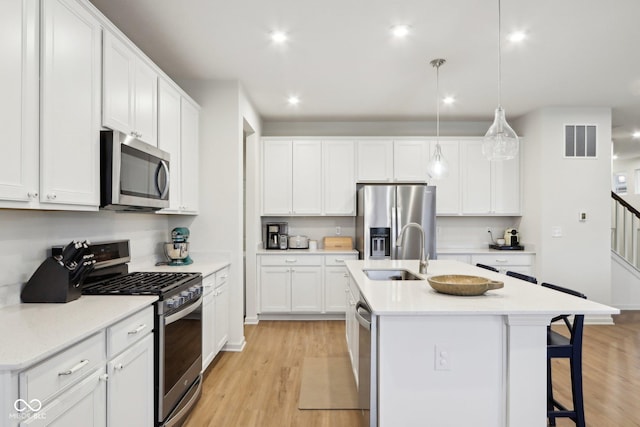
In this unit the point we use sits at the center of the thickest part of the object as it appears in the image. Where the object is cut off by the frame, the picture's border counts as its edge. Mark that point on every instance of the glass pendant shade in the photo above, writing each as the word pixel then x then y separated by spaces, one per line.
pixel 437 168
pixel 500 142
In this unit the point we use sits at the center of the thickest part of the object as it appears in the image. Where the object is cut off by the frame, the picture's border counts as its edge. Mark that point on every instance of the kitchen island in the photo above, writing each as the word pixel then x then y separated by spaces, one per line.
pixel 446 360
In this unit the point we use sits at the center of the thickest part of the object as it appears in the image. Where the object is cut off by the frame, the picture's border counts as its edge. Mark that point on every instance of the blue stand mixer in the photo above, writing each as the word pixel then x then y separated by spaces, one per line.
pixel 178 250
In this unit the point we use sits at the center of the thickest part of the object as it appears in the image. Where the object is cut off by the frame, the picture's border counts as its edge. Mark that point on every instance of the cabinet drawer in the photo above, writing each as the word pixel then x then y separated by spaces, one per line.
pixel 338 259
pixel 62 371
pixel 291 260
pixel 222 276
pixel 208 282
pixel 503 259
pixel 129 331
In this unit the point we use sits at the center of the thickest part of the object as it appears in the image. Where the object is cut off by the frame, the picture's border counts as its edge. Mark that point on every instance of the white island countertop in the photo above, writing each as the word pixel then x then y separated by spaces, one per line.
pixel 411 297
pixel 33 332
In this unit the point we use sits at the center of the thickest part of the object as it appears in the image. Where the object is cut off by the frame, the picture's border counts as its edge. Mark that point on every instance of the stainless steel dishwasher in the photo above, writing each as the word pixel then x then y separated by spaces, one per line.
pixel 367 365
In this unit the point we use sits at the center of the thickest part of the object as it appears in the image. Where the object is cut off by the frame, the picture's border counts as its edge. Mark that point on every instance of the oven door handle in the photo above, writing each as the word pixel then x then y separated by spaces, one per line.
pixel 184 312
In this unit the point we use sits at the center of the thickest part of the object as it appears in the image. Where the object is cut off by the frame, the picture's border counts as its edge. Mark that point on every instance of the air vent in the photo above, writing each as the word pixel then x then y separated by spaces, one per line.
pixel 580 141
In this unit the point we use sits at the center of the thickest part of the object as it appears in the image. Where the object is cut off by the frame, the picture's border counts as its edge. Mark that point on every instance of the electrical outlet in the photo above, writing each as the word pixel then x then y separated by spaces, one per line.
pixel 338 230
pixel 488 229
pixel 442 358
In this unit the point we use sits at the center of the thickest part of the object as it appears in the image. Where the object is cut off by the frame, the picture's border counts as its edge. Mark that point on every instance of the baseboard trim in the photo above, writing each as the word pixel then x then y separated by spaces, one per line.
pixel 251 320
pixel 317 316
pixel 236 347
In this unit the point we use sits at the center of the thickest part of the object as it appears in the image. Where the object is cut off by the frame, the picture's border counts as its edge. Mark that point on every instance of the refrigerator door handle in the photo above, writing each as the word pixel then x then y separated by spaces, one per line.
pixel 393 251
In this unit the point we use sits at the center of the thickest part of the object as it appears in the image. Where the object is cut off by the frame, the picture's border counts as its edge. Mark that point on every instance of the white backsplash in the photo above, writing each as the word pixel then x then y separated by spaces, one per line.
pixel 27 236
pixel 316 227
pixel 451 232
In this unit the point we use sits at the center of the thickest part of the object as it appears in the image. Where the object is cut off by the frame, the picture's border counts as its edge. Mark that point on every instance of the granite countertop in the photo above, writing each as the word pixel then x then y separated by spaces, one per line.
pixel 411 297
pixel 33 332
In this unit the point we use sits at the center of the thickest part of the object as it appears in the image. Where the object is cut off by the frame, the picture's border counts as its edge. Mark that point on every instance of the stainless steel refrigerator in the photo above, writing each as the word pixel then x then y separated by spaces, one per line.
pixel 382 211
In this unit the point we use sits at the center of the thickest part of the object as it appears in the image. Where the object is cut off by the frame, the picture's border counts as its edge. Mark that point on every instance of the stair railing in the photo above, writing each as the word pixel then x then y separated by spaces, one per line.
pixel 625 226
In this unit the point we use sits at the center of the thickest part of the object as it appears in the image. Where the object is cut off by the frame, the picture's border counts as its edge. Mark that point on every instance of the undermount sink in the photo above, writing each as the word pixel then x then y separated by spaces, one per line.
pixel 375 274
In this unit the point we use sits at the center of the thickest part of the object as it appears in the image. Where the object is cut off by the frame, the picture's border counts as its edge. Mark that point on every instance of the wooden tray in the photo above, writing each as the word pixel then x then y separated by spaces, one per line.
pixel 338 243
pixel 462 285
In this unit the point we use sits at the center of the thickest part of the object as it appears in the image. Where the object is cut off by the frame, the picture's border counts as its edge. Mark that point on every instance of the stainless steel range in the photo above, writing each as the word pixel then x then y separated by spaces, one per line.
pixel 177 329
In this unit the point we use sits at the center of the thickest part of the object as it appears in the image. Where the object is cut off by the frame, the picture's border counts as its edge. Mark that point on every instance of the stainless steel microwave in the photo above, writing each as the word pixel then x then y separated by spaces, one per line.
pixel 134 176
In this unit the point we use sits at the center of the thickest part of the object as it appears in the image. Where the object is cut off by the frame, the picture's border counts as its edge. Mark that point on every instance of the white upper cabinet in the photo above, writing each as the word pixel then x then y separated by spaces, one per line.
pixel 308 177
pixel 130 91
pixel 69 104
pixel 19 49
pixel 276 177
pixel 448 188
pixel 169 137
pixel 338 177
pixel 189 143
pixel 375 161
pixel 488 188
pixel 306 184
pixel 410 159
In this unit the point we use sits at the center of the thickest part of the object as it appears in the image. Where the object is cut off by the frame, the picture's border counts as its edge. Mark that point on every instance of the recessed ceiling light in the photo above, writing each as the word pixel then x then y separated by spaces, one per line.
pixel 400 31
pixel 293 100
pixel 517 36
pixel 279 37
pixel 448 100
pixel 635 134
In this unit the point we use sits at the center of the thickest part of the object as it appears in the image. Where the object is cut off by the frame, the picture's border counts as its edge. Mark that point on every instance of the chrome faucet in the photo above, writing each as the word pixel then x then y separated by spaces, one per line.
pixel 423 260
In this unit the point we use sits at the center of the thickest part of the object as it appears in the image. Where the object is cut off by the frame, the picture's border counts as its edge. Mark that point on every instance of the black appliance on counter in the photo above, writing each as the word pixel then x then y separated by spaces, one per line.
pixel 177 325
pixel 276 235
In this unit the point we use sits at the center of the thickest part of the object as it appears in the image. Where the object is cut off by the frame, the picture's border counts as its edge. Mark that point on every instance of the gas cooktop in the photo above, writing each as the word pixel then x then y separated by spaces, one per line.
pixel 140 283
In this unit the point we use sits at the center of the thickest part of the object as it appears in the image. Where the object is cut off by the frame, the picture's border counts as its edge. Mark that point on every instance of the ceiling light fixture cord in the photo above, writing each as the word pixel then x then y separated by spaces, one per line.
pixel 499 55
pixel 437 167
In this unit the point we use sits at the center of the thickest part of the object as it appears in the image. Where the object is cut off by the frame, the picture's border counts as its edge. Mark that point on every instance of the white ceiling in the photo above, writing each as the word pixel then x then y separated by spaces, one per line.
pixel 344 65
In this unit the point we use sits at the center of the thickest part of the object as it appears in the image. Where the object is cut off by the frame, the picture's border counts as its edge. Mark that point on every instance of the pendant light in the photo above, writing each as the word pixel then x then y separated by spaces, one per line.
pixel 437 168
pixel 500 142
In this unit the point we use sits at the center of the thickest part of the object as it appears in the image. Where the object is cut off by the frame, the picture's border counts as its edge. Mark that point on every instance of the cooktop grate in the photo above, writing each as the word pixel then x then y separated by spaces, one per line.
pixel 140 283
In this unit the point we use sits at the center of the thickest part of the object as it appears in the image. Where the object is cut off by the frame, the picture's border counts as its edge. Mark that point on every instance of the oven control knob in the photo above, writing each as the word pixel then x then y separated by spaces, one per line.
pixel 171 303
pixel 195 291
pixel 186 295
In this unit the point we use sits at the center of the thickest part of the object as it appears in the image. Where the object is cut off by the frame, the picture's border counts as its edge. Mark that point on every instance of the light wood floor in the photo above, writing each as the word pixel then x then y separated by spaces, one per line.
pixel 259 387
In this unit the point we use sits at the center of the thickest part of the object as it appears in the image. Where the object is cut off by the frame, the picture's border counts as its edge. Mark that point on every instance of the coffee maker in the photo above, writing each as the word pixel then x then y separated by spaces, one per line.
pixel 276 235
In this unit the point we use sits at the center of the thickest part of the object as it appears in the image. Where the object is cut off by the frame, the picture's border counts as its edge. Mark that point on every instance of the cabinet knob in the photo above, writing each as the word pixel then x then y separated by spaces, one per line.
pixel 104 377
pixel 119 367
pixel 51 196
pixel 32 194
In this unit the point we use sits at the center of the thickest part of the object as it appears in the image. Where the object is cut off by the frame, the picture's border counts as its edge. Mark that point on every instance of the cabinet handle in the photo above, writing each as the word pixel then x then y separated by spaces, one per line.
pixel 290 260
pixel 76 368
pixel 345 275
pixel 136 330
pixel 501 260
pixel 339 260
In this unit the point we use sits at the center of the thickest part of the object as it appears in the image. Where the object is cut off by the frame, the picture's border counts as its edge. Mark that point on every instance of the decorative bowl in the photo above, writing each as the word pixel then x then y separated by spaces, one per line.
pixel 459 284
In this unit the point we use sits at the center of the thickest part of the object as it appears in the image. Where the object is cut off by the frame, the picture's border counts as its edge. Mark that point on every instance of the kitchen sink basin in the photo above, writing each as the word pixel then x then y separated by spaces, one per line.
pixel 396 274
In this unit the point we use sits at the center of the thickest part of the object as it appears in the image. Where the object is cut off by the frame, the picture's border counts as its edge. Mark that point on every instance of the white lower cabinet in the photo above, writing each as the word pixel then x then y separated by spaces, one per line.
pixel 351 326
pixel 129 401
pixel 519 263
pixel 336 278
pixel 291 283
pixel 215 315
pixel 83 405
pixel 104 380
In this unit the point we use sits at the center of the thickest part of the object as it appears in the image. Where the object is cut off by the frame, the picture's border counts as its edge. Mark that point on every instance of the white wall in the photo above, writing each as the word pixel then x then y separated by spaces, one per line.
pixel 556 189
pixel 225 113
pixel 377 128
pixel 27 237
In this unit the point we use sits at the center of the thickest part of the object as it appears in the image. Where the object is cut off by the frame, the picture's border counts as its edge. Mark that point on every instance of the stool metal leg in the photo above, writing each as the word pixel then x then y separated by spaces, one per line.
pixel 550 407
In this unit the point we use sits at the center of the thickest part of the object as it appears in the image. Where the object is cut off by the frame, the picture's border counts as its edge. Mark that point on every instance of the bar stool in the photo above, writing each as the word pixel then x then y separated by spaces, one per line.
pixel 487 267
pixel 560 346
pixel 522 277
